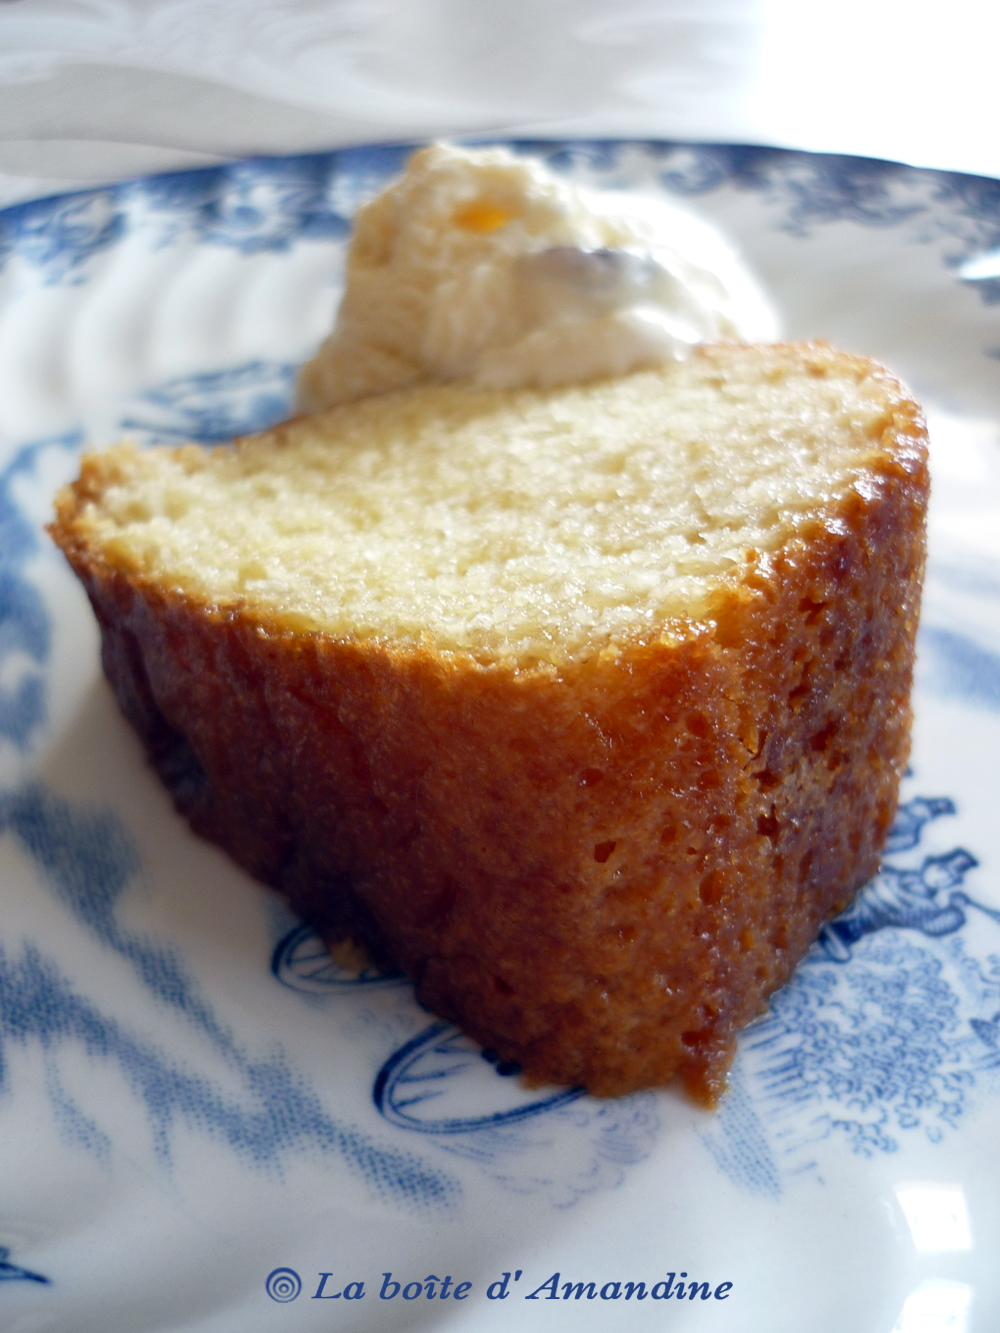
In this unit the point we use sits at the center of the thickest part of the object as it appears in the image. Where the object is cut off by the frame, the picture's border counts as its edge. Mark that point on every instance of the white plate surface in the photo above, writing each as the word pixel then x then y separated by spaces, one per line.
pixel 192 1098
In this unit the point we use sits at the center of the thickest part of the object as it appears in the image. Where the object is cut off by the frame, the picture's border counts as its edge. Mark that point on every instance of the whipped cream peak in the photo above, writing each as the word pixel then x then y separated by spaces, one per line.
pixel 486 267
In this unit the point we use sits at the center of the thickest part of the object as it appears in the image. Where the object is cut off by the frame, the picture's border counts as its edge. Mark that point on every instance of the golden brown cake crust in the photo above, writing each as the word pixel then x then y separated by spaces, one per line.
pixel 601 871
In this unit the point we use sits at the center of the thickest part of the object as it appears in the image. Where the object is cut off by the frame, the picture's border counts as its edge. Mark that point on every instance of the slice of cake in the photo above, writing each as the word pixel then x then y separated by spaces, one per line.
pixel 584 707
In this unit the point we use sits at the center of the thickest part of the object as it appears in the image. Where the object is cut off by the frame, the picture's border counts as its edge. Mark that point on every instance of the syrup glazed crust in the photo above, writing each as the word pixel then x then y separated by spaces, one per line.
pixel 602 870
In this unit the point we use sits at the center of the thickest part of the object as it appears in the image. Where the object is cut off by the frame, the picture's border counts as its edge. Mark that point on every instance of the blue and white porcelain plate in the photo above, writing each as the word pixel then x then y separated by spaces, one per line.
pixel 207 1124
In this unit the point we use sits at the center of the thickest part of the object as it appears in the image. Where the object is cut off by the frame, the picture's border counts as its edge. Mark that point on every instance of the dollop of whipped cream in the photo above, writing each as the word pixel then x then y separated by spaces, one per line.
pixel 486 267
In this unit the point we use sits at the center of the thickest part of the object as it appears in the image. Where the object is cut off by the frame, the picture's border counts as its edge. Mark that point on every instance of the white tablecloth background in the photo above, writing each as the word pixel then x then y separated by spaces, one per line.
pixel 97 90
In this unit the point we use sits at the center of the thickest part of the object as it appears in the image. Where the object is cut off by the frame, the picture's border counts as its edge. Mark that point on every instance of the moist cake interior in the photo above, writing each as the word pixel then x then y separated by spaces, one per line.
pixel 538 526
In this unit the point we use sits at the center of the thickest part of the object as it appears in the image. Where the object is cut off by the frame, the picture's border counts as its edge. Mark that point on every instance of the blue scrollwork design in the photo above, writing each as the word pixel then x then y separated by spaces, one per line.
pixel 216 405
pixel 927 898
pixel 14 1273
pixel 88 859
pixel 988 1032
pixel 58 235
pixel 252 206
pixel 912 899
pixel 25 622
pixel 911 817
pixel 954 666
pixel 302 962
pixel 272 203
pixel 425 1086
